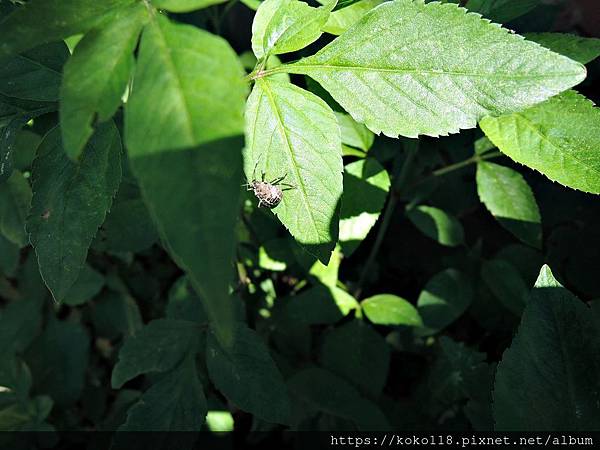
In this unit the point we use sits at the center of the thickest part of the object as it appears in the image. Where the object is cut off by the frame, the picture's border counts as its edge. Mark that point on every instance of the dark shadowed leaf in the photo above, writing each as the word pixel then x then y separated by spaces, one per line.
pixel 581 49
pixel 437 224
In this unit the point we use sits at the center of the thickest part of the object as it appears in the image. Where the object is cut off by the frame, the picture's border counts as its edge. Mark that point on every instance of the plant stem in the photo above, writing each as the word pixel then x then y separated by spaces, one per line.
pixel 466 162
pixel 398 184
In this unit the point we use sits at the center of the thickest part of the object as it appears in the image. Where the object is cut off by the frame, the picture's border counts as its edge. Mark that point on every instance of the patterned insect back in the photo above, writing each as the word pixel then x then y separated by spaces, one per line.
pixel 268 195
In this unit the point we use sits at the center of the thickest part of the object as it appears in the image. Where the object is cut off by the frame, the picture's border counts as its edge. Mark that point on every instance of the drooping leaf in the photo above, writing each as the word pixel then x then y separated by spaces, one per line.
pixel 198 80
pixel 581 49
pixel 557 138
pixel 22 29
pixel 15 198
pixel 247 376
pixel 506 283
pixel 388 309
pixel 354 134
pixel 366 185
pixel 185 5
pixel 188 89
pixel 88 284
pixel 549 378
pixel 437 224
pixel 96 76
pixel 357 353
pixel 36 74
pixel 70 201
pixel 157 347
pixel 502 11
pixel 506 195
pixel 412 77
pixel 291 132
pixel 443 300
pixel 283 26
pixel 331 394
pixel 342 19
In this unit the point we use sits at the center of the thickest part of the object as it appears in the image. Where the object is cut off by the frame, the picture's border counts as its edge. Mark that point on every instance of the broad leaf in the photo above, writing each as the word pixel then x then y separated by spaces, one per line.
pixel 70 201
pixel 23 29
pixel 506 283
pixel 157 347
pixel 437 224
pixel 575 47
pixel 174 403
pixel 283 26
pixel 247 376
pixel 366 185
pixel 549 378
pixel 359 354
pixel 293 133
pixel 388 309
pixel 558 138
pixel 506 195
pixel 185 5
pixel 502 10
pixel 36 74
pixel 96 76
pixel 443 300
pixel 188 89
pixel 15 197
pixel 401 69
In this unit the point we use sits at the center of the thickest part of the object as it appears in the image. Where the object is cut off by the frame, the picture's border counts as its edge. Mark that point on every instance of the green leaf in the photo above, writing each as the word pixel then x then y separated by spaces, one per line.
pixel 175 403
pixel 15 198
pixel 557 138
pixel 247 376
pixel 366 185
pixel 188 90
pixel 9 256
pixel 43 21
pixel 283 26
pixel 157 347
pixel 88 284
pixel 549 378
pixel 59 359
pixel 184 303
pixel 506 195
pixel 116 314
pixel 340 20
pixel 445 298
pixel 357 353
pixel 502 10
pixel 581 49
pixel 329 393
pixel 185 5
pixel 292 132
pixel 318 305
pixel 413 78
pixel 96 76
pixel 387 309
pixel 36 74
pixel 20 324
pixel 354 133
pixel 506 283
pixel 70 201
pixel 437 224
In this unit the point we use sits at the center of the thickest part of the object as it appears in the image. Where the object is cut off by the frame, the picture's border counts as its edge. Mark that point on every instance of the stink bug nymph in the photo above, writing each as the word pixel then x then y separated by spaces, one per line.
pixel 268 193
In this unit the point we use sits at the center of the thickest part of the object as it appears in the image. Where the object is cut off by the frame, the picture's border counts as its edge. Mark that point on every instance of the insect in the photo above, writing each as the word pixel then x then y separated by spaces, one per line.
pixel 268 193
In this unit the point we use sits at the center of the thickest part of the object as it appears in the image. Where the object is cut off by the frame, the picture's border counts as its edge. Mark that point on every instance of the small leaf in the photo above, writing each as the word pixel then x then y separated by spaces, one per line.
pixel 412 78
pixel 174 403
pixel 88 284
pixel 366 186
pixel 96 76
pixel 502 10
pixel 357 353
pixel 185 5
pixel 157 347
pixel 557 138
pixel 15 198
pixel 549 378
pixel 9 257
pixel 70 201
pixel 293 133
pixel 506 283
pixel 36 74
pixel 581 49
pixel 387 309
pixel 248 377
pixel 354 133
pixel 43 21
pixel 283 26
pixel 445 298
pixel 437 224
pixel 506 195
pixel 318 305
pixel 342 19
pixel 115 315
